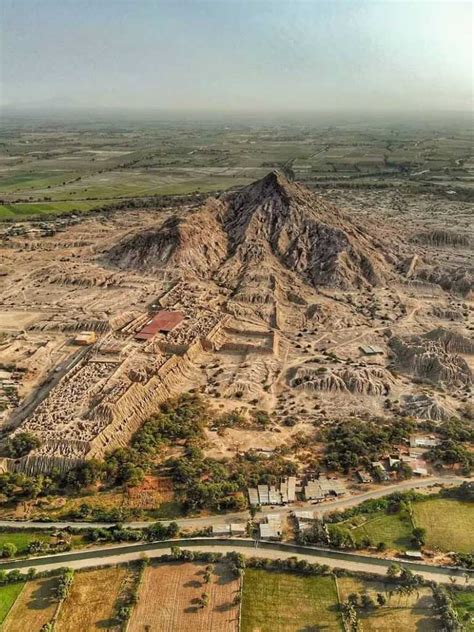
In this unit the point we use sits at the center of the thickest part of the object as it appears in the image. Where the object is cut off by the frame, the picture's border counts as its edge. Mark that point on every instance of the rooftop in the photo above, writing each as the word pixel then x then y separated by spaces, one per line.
pixel 164 321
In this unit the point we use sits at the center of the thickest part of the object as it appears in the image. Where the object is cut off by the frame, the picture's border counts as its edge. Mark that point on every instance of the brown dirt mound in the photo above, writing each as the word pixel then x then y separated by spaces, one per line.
pixel 272 225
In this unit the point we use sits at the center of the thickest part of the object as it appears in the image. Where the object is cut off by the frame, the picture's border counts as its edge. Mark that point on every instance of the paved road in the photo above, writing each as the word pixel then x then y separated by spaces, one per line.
pixel 335 559
pixel 202 521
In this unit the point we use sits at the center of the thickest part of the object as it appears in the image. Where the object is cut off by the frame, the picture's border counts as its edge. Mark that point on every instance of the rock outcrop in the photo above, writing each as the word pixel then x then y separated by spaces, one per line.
pixel 272 226
pixel 451 341
pixel 195 243
pixel 425 407
pixel 358 381
pixel 429 360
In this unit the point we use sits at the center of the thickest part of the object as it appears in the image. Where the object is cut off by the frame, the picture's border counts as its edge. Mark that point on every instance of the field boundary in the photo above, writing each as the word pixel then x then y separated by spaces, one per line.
pixel 136 592
pixel 241 593
pixel 11 606
pixel 339 601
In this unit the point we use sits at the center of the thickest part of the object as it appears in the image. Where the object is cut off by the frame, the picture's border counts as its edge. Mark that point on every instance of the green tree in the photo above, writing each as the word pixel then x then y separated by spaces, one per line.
pixel 419 536
pixel 204 600
pixel 404 471
pixel 9 550
pixel 21 444
pixel 353 599
pixel 381 599
pixel 393 570
pixel 366 601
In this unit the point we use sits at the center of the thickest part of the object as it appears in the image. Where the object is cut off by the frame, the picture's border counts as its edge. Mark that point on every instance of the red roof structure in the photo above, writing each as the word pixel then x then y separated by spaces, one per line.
pixel 162 322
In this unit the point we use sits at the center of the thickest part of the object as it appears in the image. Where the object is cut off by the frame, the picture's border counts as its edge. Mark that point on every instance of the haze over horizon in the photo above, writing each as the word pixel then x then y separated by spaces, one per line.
pixel 237 55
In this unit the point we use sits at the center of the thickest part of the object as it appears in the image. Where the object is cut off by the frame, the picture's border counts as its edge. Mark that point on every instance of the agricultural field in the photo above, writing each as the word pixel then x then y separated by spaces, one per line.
pixel 168 600
pixel 20 209
pixel 34 606
pixel 22 538
pixel 464 604
pixel 91 604
pixel 269 602
pixel 8 596
pixel 448 524
pixel 394 530
pixel 47 170
pixel 399 613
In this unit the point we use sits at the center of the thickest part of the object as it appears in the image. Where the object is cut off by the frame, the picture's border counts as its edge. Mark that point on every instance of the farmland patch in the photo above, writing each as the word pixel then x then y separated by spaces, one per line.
pixel 169 599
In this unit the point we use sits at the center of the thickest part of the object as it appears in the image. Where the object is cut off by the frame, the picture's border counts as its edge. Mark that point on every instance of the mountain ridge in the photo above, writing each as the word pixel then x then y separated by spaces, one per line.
pixel 270 225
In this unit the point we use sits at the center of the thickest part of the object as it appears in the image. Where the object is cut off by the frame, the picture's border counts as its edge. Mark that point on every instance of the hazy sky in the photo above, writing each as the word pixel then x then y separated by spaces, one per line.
pixel 238 54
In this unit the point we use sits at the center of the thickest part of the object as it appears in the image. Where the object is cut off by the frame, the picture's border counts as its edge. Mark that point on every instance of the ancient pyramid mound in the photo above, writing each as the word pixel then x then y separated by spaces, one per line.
pixel 269 227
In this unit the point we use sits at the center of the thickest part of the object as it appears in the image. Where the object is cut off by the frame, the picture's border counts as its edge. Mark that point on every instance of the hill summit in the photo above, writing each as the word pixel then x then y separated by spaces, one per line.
pixel 270 227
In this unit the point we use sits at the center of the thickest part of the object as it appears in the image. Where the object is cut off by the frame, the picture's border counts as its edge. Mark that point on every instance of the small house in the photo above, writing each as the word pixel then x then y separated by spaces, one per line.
pixel 238 528
pixel 364 477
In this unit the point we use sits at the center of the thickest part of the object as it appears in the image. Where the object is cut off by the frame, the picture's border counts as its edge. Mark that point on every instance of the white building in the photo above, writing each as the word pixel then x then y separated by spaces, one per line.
pixel 238 528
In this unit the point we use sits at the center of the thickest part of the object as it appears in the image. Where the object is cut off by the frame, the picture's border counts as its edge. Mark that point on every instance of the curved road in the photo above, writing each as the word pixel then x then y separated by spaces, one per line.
pixel 203 521
pixel 121 553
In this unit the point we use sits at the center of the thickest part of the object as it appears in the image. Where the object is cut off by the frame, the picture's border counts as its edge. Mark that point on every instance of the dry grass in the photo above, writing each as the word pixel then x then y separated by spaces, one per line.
pixel 91 602
pixel 150 494
pixel 34 607
pixel 169 594
pixel 412 613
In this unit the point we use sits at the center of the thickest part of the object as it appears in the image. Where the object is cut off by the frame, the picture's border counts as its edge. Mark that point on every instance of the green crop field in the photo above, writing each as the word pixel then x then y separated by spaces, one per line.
pixel 393 529
pixel 25 209
pixel 8 596
pixel 448 524
pixel 49 171
pixel 274 601
pixel 21 539
pixel 464 604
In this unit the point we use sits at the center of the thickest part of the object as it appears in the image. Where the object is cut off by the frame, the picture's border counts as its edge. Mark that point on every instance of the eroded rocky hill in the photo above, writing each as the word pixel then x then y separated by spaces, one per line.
pixel 271 227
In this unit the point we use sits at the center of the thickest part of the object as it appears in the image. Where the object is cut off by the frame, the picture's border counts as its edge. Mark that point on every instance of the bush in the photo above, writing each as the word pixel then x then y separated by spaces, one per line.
pixel 419 536
pixel 21 444
pixel 9 550
pixel 64 584
pixel 262 418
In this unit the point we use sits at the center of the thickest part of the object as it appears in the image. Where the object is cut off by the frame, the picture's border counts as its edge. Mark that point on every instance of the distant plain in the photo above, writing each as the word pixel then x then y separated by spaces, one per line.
pixel 55 168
